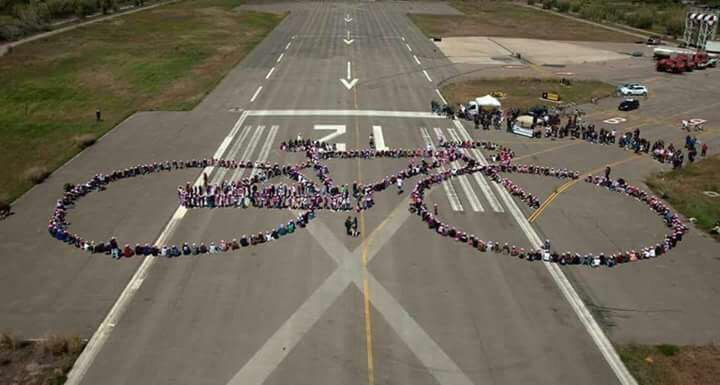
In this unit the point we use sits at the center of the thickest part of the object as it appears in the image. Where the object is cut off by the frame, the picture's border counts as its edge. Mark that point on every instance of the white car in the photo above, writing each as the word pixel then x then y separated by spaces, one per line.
pixel 633 90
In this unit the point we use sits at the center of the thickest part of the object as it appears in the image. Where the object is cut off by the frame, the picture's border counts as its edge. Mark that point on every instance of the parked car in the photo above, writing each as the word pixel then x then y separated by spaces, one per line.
pixel 654 40
pixel 629 104
pixel 633 89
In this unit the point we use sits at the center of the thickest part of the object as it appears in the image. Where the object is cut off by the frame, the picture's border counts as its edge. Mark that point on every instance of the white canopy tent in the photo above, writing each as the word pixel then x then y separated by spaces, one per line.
pixel 488 101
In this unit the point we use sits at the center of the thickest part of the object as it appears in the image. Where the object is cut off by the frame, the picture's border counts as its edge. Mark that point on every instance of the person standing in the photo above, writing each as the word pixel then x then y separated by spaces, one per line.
pixel 607 172
pixel 399 183
pixel 355 231
pixel 703 149
pixel 348 226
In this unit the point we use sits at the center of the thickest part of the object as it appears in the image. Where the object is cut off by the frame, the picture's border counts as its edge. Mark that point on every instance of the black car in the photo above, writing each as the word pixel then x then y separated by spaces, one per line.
pixel 629 105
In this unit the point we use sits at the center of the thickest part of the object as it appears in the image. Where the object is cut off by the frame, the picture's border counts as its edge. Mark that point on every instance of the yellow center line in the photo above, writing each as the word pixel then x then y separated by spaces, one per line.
pixel 551 198
pixel 366 288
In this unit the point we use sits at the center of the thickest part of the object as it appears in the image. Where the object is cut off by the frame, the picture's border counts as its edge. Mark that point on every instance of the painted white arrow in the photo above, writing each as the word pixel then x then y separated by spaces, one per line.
pixel 348 18
pixel 348 40
pixel 349 83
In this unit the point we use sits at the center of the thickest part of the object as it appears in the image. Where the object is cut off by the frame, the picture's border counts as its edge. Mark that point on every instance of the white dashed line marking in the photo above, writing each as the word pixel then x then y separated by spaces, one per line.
pixel 427 76
pixel 416 59
pixel 441 97
pixel 256 94
pixel 408 47
pixel 280 57
pixel 270 73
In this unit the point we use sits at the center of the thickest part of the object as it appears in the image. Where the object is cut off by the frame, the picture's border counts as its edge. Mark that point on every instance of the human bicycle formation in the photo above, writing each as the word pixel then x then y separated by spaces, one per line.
pixel 307 197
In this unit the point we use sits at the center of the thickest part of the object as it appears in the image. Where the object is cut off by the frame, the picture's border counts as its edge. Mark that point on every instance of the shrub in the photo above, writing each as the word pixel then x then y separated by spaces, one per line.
pixel 54 345
pixel 643 19
pixel 10 28
pixel 575 6
pixel 37 174
pixel 563 6
pixel 4 208
pixel 531 2
pixel 85 7
pixel 84 141
pixel 595 12
pixel 549 4
pixel 75 345
pixel 7 342
pixel 673 20
pixel 668 350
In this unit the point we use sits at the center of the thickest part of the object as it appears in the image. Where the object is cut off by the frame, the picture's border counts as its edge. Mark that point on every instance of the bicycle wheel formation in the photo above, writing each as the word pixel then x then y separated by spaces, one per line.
pixel 310 196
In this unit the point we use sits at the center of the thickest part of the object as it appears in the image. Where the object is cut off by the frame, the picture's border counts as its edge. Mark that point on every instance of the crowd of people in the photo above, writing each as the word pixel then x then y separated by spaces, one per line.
pixel 311 195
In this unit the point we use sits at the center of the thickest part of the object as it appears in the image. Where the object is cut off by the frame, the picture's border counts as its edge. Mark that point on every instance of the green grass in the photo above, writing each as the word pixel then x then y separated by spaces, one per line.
pixel 672 365
pixel 683 189
pixel 506 19
pixel 167 58
pixel 526 92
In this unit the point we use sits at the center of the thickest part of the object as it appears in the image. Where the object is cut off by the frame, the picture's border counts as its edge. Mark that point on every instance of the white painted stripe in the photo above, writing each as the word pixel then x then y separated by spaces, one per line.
pixel 349 71
pixel 379 139
pixel 596 333
pixel 479 179
pixel 440 95
pixel 417 60
pixel 427 76
pixel 102 334
pixel 408 47
pixel 269 73
pixel 247 154
pixel 464 182
pixel 402 37
pixel 376 113
pixel 288 45
pixel 455 204
pixel 233 152
pixel 255 95
pixel 265 150
pixel 280 57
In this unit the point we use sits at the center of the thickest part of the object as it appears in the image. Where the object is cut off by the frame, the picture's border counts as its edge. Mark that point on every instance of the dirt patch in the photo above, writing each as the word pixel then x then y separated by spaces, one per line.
pixel 504 19
pixel 672 365
pixel 526 92
pixel 37 362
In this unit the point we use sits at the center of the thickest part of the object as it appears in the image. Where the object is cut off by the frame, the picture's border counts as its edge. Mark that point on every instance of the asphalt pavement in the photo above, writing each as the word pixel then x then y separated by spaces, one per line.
pixel 398 304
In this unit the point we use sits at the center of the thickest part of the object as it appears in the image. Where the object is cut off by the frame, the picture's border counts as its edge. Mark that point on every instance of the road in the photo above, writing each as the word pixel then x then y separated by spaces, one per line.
pixel 395 305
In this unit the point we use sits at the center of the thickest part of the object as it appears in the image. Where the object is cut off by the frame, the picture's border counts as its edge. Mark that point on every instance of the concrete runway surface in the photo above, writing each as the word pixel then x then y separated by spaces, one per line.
pixel 396 305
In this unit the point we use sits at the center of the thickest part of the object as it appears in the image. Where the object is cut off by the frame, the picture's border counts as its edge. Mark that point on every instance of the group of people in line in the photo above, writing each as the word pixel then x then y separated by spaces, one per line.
pixel 309 196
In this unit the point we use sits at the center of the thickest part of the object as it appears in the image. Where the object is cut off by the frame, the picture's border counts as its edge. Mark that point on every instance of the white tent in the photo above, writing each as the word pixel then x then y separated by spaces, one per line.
pixel 487 101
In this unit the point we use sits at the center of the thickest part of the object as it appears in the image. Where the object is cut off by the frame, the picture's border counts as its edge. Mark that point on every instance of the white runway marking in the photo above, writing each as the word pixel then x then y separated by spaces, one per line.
pixel 452 196
pixel 375 113
pixel 408 47
pixel 440 95
pixel 255 95
pixel 247 154
pixel 265 150
pixel 480 179
pixel 586 318
pixel 288 45
pixel 379 139
pixel 402 37
pixel 101 335
pixel 280 57
pixel 350 271
pixel 417 60
pixel 269 73
pixel 339 129
pixel 464 182
pixel 427 76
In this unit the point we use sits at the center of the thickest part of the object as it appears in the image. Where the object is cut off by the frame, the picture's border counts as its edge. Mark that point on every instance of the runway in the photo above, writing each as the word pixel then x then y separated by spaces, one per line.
pixel 398 304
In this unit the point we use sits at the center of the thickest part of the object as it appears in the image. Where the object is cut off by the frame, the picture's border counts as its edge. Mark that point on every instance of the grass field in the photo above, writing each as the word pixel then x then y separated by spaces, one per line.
pixel 526 92
pixel 505 19
pixel 684 188
pixel 672 365
pixel 167 58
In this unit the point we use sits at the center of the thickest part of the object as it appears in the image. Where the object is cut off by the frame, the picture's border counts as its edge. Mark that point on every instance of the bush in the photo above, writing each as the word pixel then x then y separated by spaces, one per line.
pixel 8 343
pixel 643 19
pixel 549 4
pixel 563 6
pixel 85 7
pixel 595 12
pixel 673 20
pixel 54 345
pixel 668 350
pixel 37 174
pixel 531 2
pixel 10 28
pixel 4 209
pixel 575 6
pixel 85 140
